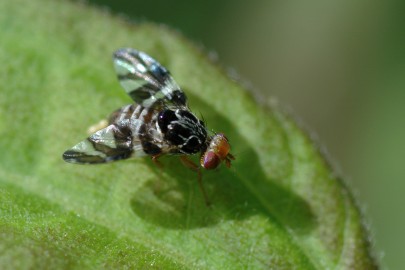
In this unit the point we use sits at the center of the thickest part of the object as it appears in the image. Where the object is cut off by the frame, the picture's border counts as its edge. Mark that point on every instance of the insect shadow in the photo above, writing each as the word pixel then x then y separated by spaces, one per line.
pixel 173 198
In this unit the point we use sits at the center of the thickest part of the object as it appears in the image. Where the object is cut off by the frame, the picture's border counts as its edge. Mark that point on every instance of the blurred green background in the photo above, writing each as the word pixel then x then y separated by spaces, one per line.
pixel 337 66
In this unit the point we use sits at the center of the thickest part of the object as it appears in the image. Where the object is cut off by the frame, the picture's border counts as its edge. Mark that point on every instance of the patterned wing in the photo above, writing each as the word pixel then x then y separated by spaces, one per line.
pixel 108 144
pixel 147 82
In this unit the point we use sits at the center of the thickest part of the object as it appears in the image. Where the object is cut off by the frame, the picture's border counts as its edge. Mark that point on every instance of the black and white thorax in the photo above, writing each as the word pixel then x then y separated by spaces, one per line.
pixel 161 131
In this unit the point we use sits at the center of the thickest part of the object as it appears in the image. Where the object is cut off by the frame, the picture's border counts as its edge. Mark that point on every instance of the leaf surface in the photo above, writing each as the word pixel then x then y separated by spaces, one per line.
pixel 279 207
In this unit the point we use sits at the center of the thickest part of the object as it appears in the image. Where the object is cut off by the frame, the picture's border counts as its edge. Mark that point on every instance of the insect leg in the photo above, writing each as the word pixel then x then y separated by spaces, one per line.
pixel 156 161
pixel 191 165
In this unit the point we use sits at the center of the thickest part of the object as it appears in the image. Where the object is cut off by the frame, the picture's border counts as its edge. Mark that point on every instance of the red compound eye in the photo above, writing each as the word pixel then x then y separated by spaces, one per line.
pixel 210 160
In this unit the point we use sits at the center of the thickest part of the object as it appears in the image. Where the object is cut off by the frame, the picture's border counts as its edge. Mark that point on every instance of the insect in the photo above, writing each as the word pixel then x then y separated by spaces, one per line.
pixel 160 122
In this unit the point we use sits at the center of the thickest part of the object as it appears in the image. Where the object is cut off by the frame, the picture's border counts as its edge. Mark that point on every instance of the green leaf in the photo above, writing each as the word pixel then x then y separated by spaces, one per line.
pixel 279 207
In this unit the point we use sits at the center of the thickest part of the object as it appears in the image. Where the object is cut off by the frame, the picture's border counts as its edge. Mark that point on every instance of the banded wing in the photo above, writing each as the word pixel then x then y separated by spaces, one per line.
pixel 108 144
pixel 146 81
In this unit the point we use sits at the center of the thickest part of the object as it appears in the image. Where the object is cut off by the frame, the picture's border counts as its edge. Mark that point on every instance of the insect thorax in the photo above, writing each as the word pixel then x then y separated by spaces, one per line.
pixel 183 129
